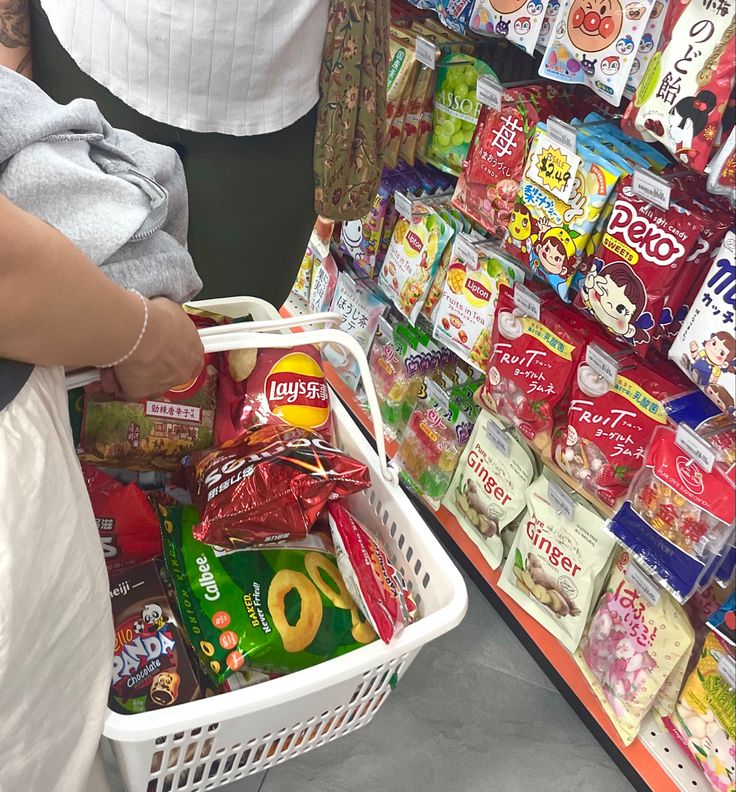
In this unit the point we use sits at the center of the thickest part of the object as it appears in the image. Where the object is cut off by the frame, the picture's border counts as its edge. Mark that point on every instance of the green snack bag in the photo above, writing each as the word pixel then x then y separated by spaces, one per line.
pixel 278 610
pixel 456 110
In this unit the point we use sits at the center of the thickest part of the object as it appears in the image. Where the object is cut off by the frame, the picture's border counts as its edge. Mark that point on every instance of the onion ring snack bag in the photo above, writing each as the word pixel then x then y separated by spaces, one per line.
pixel 276 610
pixel 372 580
pixel 684 92
pixel 635 265
pixel 531 365
pixel 519 22
pixel 559 555
pixel 268 485
pixel 705 346
pixel 486 493
pixel 594 43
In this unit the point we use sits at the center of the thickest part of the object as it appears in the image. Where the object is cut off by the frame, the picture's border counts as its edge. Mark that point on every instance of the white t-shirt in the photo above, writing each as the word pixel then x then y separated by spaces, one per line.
pixel 242 67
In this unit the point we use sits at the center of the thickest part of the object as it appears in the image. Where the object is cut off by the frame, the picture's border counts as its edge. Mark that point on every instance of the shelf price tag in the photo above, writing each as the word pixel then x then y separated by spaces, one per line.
pixel 425 52
pixel 700 450
pixel 648 590
pixel 562 133
pixel 403 204
pixel 605 366
pixel 527 301
pixel 727 669
pixel 498 438
pixel 467 251
pixel 489 92
pixel 562 502
pixel 652 188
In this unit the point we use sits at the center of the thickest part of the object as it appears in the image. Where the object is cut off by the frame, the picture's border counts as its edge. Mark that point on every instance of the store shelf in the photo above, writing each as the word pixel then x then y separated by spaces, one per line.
pixel 654 761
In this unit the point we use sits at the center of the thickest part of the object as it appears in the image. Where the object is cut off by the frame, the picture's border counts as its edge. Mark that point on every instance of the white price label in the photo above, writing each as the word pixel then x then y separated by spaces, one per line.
pixel 602 363
pixel 425 52
pixel 562 133
pixel 562 502
pixel 700 450
pixel 489 92
pixel 648 590
pixel 403 204
pixel 465 249
pixel 652 188
pixel 727 669
pixel 498 438
pixel 527 301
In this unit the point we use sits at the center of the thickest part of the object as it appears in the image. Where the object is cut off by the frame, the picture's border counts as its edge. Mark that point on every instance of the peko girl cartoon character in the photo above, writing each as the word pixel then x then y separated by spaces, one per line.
pixel 553 257
pixel 717 356
pixel 615 295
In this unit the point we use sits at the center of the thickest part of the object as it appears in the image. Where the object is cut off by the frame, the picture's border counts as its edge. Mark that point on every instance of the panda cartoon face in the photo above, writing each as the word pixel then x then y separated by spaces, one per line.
pixel 522 25
pixel 625 45
pixel 152 614
pixel 610 65
pixel 647 43
pixel 588 66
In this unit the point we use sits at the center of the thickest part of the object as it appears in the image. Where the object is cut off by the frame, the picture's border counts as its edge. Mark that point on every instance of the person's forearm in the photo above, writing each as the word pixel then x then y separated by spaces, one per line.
pixel 56 307
pixel 15 35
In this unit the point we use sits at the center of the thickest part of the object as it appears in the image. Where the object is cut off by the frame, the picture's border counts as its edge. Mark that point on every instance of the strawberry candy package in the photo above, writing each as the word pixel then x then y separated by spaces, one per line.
pixel 705 346
pixel 324 281
pixel 635 640
pixel 594 43
pixel 558 560
pixel 639 258
pixel 683 94
pixel 531 365
pixel 373 582
pixel 517 20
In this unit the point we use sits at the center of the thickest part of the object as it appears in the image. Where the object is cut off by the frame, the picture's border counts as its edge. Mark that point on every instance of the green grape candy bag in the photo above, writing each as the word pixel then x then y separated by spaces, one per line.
pixel 456 110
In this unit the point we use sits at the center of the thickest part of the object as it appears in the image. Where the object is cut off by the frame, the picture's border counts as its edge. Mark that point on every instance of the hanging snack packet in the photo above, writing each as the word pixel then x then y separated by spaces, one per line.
pixel 400 69
pixel 487 491
pixel 276 610
pixel 412 258
pixel 636 264
pixel 705 347
pixel 548 23
pixel 372 580
pixel 410 133
pixel 324 281
pixel 633 643
pixel 518 21
pixel 531 365
pixel 558 560
pixel 303 283
pixel 454 14
pixel 269 485
pixel 648 46
pixel 456 110
pixel 595 46
pixel 722 175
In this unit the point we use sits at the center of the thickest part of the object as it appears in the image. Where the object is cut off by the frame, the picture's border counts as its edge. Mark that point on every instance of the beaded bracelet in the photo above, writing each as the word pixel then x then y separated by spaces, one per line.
pixel 138 340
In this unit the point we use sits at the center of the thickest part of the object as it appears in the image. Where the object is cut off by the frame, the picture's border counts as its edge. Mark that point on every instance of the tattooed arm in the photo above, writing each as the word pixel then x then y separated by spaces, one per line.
pixel 15 35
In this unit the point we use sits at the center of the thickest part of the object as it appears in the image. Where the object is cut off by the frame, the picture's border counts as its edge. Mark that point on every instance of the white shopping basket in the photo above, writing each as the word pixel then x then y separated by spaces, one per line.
pixel 205 744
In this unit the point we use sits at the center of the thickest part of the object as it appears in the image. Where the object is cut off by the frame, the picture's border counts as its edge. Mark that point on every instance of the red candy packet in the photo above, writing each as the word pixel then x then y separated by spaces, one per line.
pixel 372 580
pixel 268 486
pixel 128 526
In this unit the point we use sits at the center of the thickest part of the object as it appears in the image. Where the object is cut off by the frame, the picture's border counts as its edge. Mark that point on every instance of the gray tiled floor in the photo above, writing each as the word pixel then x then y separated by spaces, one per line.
pixel 473 714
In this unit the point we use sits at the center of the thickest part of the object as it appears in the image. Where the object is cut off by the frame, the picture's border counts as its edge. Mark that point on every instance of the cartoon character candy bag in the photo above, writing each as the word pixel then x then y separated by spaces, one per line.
pixel 594 42
pixel 517 20
pixel 548 22
pixel 648 45
pixel 634 642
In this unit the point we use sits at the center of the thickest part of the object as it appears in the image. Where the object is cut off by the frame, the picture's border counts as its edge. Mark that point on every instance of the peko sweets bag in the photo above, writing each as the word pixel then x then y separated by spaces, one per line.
pixel 487 491
pixel 519 21
pixel 556 564
pixel 633 643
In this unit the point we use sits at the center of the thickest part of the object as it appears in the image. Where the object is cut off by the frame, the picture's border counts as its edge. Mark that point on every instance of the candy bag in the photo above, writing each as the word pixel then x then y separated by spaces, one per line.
pixel 722 176
pixel 126 521
pixel 324 281
pixel 682 96
pixel 548 23
pixel 648 46
pixel 710 325
pixel 487 491
pixel 556 565
pixel 269 485
pixel 454 14
pixel 410 133
pixel 633 643
pixel 372 580
pixel 303 283
pixel 277 610
pixel 519 22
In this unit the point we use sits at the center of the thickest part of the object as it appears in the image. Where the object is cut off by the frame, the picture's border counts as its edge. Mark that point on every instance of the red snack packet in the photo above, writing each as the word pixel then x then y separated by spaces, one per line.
pixel 531 364
pixel 609 427
pixel 128 526
pixel 286 387
pixel 372 580
pixel 639 258
pixel 269 485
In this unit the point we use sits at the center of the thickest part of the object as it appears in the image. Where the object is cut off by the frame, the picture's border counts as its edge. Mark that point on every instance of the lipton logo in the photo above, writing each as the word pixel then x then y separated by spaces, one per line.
pixel 296 391
pixel 690 474
pixel 477 289
pixel 413 240
pixel 647 238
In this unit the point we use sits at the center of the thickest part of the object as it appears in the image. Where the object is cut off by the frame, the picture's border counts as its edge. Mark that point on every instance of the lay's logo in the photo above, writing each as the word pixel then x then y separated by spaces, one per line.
pixel 414 241
pixel 477 289
pixel 296 391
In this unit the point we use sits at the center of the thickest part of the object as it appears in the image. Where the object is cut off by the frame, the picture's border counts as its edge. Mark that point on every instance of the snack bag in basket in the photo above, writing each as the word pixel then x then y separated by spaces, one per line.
pixel 374 583
pixel 275 610
pixel 558 560
pixel 268 485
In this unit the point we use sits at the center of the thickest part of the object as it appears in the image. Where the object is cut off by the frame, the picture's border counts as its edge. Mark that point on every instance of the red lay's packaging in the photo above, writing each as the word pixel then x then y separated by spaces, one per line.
pixel 285 387
pixel 372 580
pixel 531 364
pixel 128 526
pixel 641 255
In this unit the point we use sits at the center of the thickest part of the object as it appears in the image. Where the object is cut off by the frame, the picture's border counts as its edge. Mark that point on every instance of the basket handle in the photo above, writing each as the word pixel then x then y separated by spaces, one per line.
pixel 274 325
pixel 235 336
